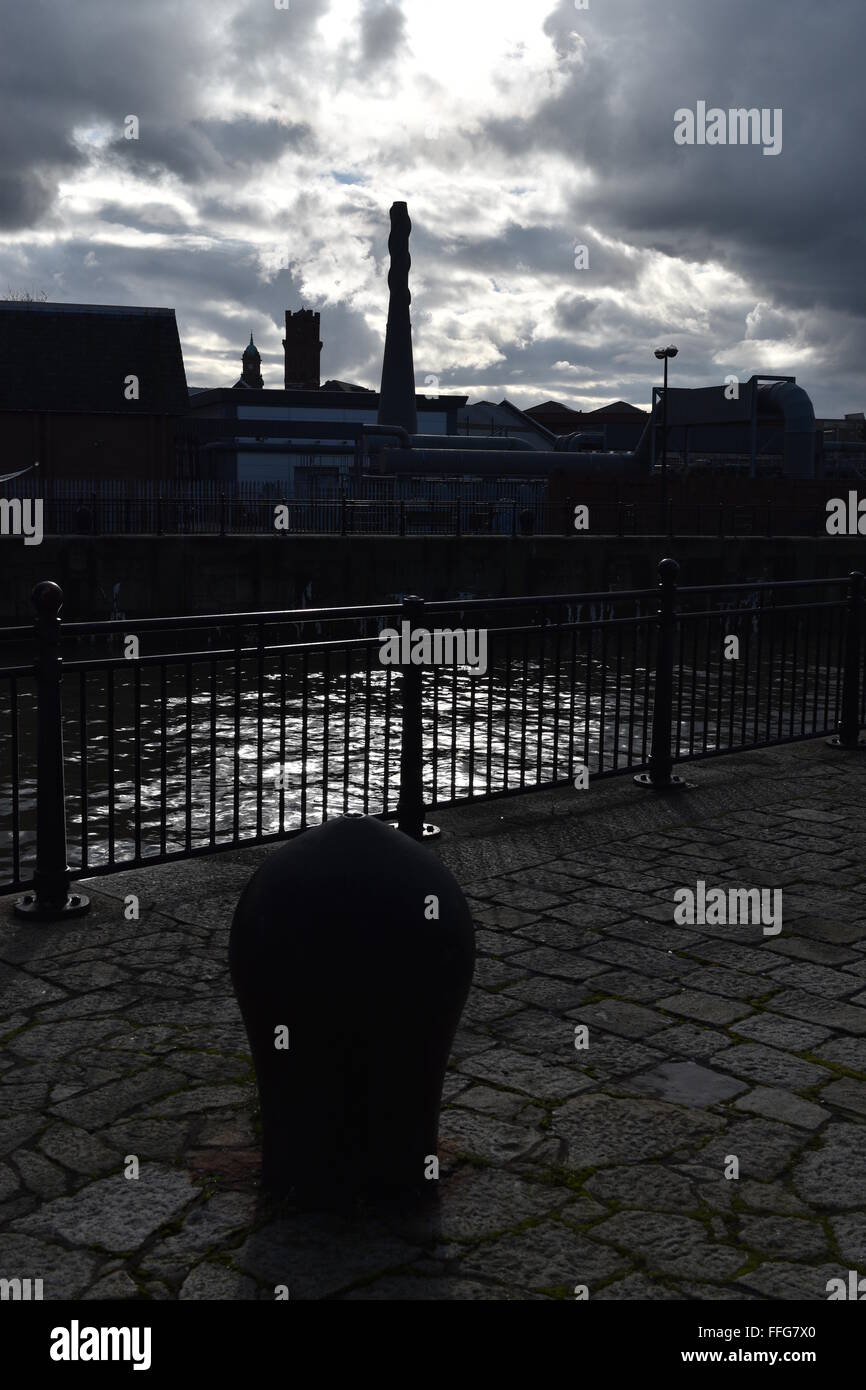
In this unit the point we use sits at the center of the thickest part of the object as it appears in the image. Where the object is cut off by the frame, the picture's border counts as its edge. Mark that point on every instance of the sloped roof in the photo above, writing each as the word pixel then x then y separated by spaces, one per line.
pixel 616 408
pixel 343 386
pixel 508 417
pixel 75 357
pixel 547 405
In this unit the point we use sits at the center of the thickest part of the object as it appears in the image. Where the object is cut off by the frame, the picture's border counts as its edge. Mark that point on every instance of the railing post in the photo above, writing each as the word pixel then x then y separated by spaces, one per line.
pixel 661 760
pixel 513 520
pixel 721 520
pixel 770 519
pixel 159 513
pixel 342 513
pixel 51 899
pixel 848 728
pixel 670 518
pixel 93 504
pixel 410 803
pixel 402 517
pixel 222 514
pixel 457 520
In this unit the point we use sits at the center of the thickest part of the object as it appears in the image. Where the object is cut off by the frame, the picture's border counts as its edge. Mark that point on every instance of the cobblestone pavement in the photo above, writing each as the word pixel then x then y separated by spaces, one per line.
pixel 608 1167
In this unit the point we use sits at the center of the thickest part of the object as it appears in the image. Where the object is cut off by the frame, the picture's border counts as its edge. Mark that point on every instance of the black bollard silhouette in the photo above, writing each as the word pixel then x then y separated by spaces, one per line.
pixel 353 945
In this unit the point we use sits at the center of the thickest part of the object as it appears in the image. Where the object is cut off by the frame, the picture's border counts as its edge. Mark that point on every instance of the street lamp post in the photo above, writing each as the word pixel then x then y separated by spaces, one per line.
pixel 663 354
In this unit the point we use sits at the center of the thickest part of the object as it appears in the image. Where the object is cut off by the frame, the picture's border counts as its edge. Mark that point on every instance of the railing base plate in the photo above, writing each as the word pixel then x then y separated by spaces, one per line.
pixel 428 832
pixel 676 784
pixel 858 747
pixel 76 905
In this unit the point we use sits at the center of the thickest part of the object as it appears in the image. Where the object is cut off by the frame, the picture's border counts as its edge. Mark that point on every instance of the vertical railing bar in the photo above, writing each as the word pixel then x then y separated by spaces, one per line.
pixel 453 678
pixel 539 723
pixel 489 722
pixel 762 611
pixel 82 735
pixel 795 619
pixel 14 768
pixel 386 791
pixel 326 730
pixel 236 800
pixel 557 658
pixel 507 741
pixel 616 701
pixel 768 713
pixel 368 696
pixel 347 738
pixel 187 748
pixel 719 648
pixel 680 665
pixel 523 699
pixel 572 682
pixel 587 708
pixel 260 725
pixel 136 734
pixel 782 663
pixel 472 684
pixel 111 750
pixel 602 699
pixel 305 682
pixel 635 638
pixel 212 757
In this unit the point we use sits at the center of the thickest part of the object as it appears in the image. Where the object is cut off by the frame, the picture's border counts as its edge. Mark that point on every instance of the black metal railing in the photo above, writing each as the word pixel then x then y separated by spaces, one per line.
pixel 167 738
pixel 343 514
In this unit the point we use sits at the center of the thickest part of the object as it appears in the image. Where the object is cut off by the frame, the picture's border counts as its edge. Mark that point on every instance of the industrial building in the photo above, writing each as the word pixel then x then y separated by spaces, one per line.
pixel 98 394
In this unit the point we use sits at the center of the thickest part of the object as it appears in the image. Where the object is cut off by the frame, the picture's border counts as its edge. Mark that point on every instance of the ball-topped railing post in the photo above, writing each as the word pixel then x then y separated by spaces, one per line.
pixel 50 899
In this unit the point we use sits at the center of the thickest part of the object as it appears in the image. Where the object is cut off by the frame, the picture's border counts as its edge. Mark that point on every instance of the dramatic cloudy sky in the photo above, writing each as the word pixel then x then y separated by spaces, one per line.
pixel 273 141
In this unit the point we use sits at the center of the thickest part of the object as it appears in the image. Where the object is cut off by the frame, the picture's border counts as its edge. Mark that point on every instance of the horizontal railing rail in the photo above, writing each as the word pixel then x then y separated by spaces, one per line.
pixel 129 743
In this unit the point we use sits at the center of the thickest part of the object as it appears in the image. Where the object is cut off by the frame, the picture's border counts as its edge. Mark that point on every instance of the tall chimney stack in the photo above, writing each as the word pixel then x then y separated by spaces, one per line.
pixel 397 396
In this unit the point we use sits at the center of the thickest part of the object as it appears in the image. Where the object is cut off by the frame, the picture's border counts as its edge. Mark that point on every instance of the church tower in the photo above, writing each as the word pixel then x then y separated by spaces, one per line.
pixel 303 349
pixel 251 372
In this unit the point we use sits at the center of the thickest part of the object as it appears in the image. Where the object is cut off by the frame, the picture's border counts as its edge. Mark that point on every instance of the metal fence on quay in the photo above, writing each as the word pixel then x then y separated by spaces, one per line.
pixel 166 738
pixel 343 514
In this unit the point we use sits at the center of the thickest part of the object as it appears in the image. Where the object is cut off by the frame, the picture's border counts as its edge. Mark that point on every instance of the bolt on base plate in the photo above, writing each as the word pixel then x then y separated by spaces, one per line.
pixel 675 784
pixel 76 905
pixel 857 747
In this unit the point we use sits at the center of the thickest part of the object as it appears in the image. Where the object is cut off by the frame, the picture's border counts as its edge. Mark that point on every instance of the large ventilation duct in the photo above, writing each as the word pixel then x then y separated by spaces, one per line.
pixel 495 463
pixel 792 404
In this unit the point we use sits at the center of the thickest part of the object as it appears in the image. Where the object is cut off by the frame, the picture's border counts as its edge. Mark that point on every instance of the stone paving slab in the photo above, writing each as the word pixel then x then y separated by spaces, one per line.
pixel 636 1107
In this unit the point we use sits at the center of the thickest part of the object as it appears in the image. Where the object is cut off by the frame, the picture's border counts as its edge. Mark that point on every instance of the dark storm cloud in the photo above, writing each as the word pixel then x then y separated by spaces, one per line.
pixel 791 222
pixel 383 31
pixel 88 65
pixel 205 150
pixel 64 67
pixel 534 249
pixel 24 199
pixel 151 217
pixel 258 27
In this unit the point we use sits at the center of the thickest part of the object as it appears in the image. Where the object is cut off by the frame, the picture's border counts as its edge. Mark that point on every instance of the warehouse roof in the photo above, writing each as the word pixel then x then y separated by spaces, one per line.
pixel 77 357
